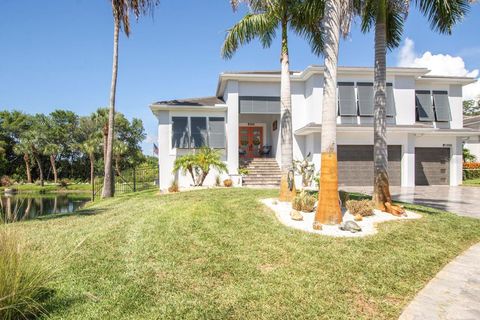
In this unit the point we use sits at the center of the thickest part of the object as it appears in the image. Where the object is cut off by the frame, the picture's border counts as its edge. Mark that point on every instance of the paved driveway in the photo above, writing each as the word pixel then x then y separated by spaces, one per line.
pixel 464 201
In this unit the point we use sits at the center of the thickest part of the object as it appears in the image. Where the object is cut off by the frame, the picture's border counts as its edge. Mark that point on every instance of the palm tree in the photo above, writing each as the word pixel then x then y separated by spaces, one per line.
pixel 265 17
pixel 52 150
pixel 121 10
pixel 336 22
pixel 22 148
pixel 119 150
pixel 387 16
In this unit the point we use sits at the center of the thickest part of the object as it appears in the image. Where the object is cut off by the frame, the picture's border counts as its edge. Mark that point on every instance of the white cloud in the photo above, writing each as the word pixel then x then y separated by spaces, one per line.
pixel 440 65
pixel 151 139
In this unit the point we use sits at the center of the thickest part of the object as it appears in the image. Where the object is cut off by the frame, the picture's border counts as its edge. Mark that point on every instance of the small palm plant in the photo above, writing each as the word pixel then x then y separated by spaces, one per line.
pixel 198 165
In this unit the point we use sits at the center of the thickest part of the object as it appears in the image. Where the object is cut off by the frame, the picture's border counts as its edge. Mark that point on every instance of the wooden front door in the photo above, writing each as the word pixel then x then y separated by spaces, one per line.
pixel 250 141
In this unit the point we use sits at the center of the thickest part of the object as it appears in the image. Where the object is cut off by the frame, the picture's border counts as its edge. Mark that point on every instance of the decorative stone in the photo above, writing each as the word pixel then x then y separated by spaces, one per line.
pixel 358 217
pixel 295 215
pixel 351 226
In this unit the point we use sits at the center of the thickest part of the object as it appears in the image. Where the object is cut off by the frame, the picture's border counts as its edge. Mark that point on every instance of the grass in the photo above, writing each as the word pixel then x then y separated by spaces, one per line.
pixel 47 188
pixel 24 279
pixel 472 182
pixel 220 254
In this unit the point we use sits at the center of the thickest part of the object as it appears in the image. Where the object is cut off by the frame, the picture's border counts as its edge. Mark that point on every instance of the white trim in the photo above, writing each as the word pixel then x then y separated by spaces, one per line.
pixel 165 107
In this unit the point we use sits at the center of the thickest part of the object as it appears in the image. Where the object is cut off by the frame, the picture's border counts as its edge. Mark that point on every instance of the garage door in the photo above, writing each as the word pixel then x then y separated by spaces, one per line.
pixel 355 165
pixel 432 166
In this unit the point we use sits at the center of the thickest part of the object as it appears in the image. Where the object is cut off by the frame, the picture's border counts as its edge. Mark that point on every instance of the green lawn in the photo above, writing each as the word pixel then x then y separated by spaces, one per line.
pixel 30 187
pixel 472 182
pixel 217 254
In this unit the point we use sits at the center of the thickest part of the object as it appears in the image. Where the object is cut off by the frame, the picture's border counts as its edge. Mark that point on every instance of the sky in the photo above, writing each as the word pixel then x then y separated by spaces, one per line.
pixel 57 54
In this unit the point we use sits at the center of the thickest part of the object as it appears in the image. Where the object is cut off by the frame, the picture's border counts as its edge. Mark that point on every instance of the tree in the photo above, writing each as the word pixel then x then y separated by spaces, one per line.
pixel 23 148
pixel 471 108
pixel 387 17
pixel 200 164
pixel 121 10
pixel 89 141
pixel 302 17
pixel 336 22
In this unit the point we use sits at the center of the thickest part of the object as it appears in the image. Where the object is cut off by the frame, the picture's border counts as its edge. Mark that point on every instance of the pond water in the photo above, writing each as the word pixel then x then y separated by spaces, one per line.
pixel 22 207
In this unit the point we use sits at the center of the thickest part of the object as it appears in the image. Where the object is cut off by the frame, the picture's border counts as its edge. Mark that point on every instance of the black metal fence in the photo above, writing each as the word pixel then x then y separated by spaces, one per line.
pixel 130 180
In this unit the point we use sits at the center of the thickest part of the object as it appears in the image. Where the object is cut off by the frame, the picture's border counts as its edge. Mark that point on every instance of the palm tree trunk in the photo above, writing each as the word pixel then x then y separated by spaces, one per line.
pixel 92 167
pixel 26 158
pixel 328 209
pixel 109 178
pixel 286 138
pixel 381 189
pixel 117 165
pixel 54 168
pixel 40 168
pixel 105 141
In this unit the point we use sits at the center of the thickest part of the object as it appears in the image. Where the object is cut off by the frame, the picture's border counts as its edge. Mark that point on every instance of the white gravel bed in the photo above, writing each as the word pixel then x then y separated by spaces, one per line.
pixel 368 224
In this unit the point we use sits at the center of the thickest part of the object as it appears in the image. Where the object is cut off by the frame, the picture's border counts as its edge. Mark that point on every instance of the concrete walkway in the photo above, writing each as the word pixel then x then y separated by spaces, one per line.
pixel 454 293
pixel 464 201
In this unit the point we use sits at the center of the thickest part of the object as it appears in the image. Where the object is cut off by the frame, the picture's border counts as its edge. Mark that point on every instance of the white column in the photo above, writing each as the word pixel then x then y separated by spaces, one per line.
pixel 232 101
pixel 164 159
pixel 456 163
pixel 408 161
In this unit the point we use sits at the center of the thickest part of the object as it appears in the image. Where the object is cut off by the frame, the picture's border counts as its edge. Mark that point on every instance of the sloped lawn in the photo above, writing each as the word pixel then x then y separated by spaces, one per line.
pixel 217 254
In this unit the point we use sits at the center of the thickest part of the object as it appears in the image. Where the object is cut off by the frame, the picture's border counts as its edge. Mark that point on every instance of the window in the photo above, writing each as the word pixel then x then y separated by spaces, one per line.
pixel 347 102
pixel 180 137
pixel 259 105
pixel 423 102
pixel 197 132
pixel 365 98
pixel 442 106
pixel 391 111
pixel 216 127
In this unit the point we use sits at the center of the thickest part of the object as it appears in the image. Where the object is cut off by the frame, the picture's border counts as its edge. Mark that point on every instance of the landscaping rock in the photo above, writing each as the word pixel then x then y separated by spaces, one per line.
pixel 358 217
pixel 317 225
pixel 351 226
pixel 295 215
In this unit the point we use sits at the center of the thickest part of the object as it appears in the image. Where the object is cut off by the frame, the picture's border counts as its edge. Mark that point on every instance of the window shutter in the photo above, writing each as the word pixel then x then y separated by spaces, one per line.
pixel 346 99
pixel 442 105
pixel 199 133
pixel 259 105
pixel 180 132
pixel 365 98
pixel 423 101
pixel 216 127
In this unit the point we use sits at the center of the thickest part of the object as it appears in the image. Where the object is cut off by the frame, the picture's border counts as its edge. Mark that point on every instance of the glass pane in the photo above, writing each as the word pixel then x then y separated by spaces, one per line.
pixel 199 132
pixel 180 132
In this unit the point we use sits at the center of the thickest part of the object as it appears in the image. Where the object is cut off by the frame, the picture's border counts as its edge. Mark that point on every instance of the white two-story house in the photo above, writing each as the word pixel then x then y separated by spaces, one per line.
pixel 425 124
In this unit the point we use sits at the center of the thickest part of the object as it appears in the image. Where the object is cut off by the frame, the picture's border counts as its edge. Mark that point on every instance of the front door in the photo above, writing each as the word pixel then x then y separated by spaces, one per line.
pixel 251 140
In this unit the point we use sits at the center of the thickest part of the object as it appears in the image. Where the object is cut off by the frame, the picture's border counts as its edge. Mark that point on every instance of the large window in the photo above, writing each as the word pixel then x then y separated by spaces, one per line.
pixel 366 97
pixel 259 105
pixel 347 102
pixel 197 132
pixel 442 106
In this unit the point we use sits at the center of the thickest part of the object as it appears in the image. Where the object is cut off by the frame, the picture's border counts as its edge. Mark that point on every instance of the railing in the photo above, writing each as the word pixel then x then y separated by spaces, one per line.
pixel 130 180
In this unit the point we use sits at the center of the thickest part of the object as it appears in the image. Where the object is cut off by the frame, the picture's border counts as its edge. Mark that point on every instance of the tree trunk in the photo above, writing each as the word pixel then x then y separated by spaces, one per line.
pixel 40 168
pixel 54 168
pixel 328 209
pixel 287 190
pixel 117 165
pixel 26 158
pixel 105 141
pixel 381 189
pixel 109 178
pixel 91 156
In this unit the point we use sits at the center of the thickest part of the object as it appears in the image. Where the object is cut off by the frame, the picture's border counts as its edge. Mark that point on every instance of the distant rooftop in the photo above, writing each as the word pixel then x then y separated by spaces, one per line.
pixel 192 102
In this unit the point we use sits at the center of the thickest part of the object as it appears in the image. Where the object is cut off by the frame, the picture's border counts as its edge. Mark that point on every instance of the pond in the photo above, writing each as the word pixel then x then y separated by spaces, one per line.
pixel 22 207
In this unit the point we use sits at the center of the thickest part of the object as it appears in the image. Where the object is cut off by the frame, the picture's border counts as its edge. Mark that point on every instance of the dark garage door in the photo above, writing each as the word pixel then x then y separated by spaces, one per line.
pixel 355 165
pixel 432 166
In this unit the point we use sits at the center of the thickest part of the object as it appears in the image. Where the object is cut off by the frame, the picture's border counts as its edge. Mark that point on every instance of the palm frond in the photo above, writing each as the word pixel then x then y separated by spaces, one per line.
pixel 444 14
pixel 253 25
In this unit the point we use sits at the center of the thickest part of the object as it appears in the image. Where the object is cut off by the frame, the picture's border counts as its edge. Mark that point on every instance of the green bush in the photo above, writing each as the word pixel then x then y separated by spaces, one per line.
pixel 23 279
pixel 471 174
pixel 304 202
pixel 360 207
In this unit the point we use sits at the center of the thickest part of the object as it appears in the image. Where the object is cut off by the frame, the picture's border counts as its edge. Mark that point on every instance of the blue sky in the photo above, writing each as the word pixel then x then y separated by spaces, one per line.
pixel 58 54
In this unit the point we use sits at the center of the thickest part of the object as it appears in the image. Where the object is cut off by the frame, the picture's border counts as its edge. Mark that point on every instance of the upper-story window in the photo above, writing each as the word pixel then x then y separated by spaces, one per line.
pixel 362 104
pixel 197 132
pixel 432 106
pixel 259 105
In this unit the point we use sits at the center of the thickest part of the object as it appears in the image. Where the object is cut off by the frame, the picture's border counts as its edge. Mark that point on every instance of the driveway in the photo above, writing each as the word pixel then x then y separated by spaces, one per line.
pixel 464 201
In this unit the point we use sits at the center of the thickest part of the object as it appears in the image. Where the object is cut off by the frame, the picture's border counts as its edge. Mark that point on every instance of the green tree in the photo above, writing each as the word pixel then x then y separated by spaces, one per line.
pixel 387 17
pixel 89 141
pixel 471 108
pixel 262 22
pixel 121 10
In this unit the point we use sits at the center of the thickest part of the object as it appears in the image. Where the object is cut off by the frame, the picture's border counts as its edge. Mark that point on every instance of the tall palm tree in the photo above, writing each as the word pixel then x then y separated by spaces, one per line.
pixel 387 17
pixel 22 148
pixel 336 22
pixel 265 16
pixel 121 10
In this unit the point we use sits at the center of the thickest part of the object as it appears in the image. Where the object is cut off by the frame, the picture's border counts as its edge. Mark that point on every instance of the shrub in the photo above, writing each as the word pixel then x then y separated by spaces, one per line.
pixel 360 207
pixel 471 165
pixel 63 183
pixel 243 171
pixel 217 181
pixel 5 181
pixel 304 202
pixel 228 183
pixel 23 279
pixel 198 165
pixel 173 187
